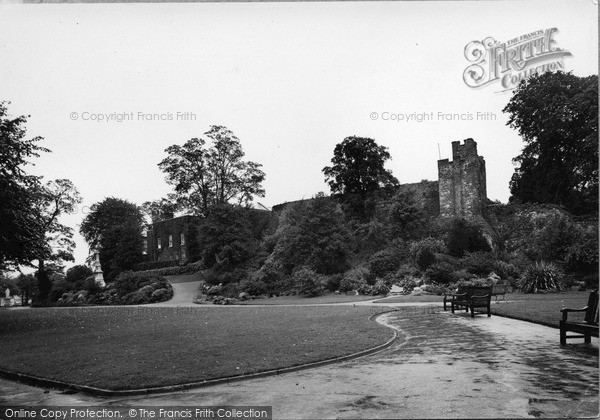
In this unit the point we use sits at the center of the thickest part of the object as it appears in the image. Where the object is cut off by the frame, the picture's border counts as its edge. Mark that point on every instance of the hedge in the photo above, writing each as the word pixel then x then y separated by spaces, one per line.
pixel 154 265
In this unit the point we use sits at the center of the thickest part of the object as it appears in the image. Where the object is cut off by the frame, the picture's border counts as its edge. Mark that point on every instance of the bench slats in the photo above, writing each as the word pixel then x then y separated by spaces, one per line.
pixel 588 328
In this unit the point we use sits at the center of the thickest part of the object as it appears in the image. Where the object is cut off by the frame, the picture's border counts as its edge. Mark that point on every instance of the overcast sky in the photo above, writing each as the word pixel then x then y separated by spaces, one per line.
pixel 291 80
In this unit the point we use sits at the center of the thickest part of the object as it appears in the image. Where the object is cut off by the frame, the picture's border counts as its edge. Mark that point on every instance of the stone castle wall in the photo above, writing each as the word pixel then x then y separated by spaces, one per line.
pixel 460 190
pixel 426 194
pixel 462 182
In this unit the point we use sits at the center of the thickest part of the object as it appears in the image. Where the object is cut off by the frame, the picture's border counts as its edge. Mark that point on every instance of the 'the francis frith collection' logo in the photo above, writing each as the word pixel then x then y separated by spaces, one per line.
pixel 514 60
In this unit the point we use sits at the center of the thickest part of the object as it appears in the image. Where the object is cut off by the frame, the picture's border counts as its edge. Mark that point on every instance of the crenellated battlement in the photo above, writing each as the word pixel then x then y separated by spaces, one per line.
pixel 462 181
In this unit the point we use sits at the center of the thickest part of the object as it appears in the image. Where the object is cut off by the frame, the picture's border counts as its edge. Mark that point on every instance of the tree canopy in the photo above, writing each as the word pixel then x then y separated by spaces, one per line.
pixel 556 114
pixel 225 237
pixel 358 167
pixel 161 209
pixel 114 227
pixel 312 234
pixel 21 238
pixel 208 173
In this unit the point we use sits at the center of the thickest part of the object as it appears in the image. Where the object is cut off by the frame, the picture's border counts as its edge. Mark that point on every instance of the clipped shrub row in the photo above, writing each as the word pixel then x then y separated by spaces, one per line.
pixel 155 265
pixel 175 271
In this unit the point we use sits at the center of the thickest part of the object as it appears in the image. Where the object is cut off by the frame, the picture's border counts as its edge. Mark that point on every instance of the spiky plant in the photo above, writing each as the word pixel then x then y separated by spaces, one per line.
pixel 542 277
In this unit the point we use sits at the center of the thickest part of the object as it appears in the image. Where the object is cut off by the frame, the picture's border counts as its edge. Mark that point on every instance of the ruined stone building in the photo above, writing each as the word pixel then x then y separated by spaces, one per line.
pixel 166 240
pixel 460 191
pixel 462 182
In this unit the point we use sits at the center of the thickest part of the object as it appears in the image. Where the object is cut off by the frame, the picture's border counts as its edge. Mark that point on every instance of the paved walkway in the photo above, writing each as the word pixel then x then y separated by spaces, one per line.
pixel 443 366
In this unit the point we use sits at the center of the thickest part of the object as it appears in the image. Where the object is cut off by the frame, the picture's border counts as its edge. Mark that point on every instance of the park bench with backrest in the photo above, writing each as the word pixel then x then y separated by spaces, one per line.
pixel 585 329
pixel 501 288
pixel 470 298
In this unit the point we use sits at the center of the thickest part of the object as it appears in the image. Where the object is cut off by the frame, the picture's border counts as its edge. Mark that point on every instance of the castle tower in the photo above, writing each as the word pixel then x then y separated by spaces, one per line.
pixel 462 182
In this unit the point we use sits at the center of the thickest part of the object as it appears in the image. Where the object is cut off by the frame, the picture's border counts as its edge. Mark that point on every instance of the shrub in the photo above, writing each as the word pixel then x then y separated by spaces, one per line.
pixel 91 286
pixel 422 253
pixel 442 272
pixel 479 263
pixel 174 271
pixel 272 275
pixel 408 284
pixel 160 295
pixel 59 288
pixel 506 270
pixel 473 282
pixel 463 275
pixel 112 276
pixel 380 288
pixel 77 274
pixel 406 270
pixel 332 282
pixel 582 255
pixel 136 298
pixel 354 279
pixel 465 237
pixel 384 262
pixel 130 281
pixel 542 277
pixel 253 285
pixel 153 265
pixel 308 282
pixel 365 289
pixel 438 289
pixel 147 290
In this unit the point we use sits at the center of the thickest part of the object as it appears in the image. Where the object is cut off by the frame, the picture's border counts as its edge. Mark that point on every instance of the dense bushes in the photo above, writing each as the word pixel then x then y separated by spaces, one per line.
pixel 383 262
pixel 129 288
pixel 225 238
pixel 479 263
pixel 441 272
pixel 312 234
pixel 422 252
pixel 76 276
pixel 465 237
pixel 354 279
pixel 307 282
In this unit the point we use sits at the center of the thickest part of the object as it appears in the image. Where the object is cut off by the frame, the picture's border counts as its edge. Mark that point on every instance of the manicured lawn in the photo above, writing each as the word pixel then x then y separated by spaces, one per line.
pixel 303 300
pixel 410 298
pixel 137 347
pixel 541 308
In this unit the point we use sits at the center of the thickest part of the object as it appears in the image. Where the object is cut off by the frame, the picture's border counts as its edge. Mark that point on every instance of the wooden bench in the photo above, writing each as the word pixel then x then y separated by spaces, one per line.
pixel 469 298
pixel 585 329
pixel 500 289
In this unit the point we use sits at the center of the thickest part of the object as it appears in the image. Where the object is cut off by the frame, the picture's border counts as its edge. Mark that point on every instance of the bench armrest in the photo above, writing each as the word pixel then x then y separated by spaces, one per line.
pixel 566 311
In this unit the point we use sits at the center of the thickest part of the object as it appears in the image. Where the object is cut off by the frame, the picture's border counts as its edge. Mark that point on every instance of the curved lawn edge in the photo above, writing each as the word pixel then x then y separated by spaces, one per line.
pixel 532 321
pixel 51 383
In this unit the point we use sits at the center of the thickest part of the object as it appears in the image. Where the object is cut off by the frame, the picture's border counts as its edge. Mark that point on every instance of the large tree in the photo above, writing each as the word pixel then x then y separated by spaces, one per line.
pixel 208 173
pixel 114 227
pixel 556 114
pixel 54 199
pixel 358 167
pixel 313 234
pixel 161 209
pixel 21 236
pixel 225 237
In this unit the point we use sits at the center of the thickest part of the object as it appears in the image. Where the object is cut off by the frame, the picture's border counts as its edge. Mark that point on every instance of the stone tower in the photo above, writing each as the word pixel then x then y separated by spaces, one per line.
pixel 462 183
